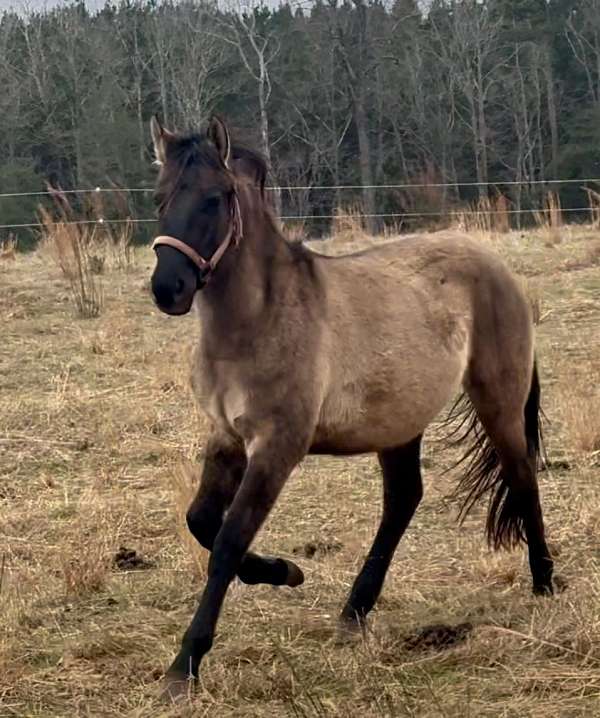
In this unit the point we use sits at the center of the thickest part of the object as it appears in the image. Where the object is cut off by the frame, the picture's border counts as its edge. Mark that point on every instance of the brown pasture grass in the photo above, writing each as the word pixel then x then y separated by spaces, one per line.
pixel 347 225
pixel 71 247
pixel 100 447
pixel 114 239
pixel 549 219
pixel 83 245
pixel 594 205
pixel 580 404
pixel 295 231
pixel 486 218
pixel 8 249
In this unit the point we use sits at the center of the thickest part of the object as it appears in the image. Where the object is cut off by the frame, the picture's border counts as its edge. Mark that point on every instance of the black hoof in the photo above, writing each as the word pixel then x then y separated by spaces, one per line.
pixel 349 630
pixel 273 571
pixel 177 687
pixel 543 589
pixel 295 577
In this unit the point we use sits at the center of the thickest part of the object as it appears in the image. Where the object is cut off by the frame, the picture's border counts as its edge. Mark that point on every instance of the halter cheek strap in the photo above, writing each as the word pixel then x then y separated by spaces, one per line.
pixel 234 234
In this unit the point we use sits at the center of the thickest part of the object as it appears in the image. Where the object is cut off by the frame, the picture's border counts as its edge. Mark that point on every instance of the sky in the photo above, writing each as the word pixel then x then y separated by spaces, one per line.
pixel 24 5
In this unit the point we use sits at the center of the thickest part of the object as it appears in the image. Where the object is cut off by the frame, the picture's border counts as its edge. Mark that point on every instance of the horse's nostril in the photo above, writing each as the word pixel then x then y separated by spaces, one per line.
pixel 162 294
pixel 179 285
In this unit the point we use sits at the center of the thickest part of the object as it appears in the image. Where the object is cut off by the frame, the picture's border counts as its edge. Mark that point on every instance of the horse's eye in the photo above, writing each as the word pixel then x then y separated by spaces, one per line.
pixel 211 204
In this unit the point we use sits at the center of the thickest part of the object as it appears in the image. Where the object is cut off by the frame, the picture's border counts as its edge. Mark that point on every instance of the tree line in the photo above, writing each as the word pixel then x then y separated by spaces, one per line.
pixel 346 92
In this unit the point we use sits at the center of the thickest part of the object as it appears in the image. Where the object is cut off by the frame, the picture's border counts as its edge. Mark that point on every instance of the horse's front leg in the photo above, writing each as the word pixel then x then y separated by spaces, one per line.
pixel 270 461
pixel 224 466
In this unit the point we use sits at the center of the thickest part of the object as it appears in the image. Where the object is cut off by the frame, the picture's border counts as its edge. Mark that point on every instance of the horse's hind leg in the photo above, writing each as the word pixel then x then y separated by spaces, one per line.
pixel 224 466
pixel 515 506
pixel 402 492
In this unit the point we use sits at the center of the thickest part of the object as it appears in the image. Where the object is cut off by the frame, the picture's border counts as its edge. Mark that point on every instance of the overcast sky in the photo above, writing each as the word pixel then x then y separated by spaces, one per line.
pixel 24 5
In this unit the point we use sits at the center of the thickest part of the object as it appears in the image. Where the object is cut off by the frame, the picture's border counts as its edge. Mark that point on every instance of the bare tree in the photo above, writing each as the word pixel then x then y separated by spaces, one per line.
pixel 38 66
pixel 469 51
pixel 582 31
pixel 131 31
pixel 243 28
pixel 351 34
pixel 163 40
pixel 551 104
pixel 12 95
pixel 187 63
pixel 523 81
pixel 421 108
pixel 79 63
pixel 315 120
pixel 198 76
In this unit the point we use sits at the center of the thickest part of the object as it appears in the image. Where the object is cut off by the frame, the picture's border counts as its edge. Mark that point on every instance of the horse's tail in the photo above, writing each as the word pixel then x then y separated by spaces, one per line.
pixel 483 474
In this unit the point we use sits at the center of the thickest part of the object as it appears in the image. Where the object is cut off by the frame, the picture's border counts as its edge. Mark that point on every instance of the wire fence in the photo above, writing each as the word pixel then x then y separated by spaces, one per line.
pixel 320 188
pixel 314 217
pixel 305 217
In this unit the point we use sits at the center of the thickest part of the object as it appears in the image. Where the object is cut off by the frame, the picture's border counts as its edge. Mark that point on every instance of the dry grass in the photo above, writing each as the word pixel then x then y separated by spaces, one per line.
pixel 347 225
pixel 8 249
pixel 487 217
pixel 580 402
pixel 295 231
pixel 83 245
pixel 118 239
pixel 594 204
pixel 114 240
pixel 549 219
pixel 71 247
pixel 99 448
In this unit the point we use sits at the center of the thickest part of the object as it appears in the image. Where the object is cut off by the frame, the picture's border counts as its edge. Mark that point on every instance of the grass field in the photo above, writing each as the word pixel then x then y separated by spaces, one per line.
pixel 100 445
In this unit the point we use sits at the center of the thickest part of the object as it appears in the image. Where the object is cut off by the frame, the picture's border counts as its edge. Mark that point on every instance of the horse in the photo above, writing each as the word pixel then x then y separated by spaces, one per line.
pixel 301 353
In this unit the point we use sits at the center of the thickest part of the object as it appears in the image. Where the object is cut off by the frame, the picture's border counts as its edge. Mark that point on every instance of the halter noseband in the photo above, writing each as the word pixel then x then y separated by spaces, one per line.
pixel 234 234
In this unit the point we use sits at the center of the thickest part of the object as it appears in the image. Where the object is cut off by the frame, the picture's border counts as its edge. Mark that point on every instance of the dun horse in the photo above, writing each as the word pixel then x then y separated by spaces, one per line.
pixel 301 353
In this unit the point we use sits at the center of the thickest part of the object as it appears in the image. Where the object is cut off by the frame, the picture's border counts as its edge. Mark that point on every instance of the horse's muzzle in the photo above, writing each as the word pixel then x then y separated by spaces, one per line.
pixel 174 287
pixel 172 304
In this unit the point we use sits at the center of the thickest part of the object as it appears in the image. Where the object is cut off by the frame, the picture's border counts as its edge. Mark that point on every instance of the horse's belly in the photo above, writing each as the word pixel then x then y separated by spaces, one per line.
pixel 371 431
pixel 386 410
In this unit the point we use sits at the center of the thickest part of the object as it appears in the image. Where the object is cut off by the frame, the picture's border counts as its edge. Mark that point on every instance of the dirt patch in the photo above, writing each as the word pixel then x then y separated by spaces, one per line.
pixel 437 636
pixel 558 465
pixel 127 559
pixel 317 549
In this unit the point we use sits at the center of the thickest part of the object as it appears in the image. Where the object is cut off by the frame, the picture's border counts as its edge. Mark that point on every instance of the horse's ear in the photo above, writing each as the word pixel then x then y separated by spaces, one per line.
pixel 219 135
pixel 160 138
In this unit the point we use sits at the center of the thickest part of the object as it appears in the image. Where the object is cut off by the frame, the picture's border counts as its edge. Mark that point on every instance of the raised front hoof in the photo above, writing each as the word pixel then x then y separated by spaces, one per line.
pixel 295 576
pixel 177 688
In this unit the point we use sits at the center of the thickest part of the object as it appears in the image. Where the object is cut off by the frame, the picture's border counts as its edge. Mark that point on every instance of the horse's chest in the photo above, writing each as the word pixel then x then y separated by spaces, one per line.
pixel 218 391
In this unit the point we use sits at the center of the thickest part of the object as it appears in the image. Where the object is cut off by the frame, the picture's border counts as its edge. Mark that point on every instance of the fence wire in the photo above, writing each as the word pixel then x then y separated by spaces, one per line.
pixel 320 188
pixel 306 217
pixel 310 217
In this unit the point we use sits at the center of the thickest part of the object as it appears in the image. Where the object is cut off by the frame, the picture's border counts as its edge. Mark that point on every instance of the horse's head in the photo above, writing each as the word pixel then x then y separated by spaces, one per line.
pixel 198 210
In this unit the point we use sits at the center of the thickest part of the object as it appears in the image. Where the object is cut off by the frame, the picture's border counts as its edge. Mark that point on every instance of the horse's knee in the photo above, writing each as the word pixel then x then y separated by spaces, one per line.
pixel 204 524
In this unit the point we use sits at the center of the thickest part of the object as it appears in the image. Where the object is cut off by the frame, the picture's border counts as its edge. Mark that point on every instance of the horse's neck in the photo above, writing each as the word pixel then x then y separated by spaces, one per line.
pixel 237 293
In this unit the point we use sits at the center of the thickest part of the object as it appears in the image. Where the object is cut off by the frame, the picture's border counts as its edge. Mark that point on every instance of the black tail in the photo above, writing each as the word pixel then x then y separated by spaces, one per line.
pixel 533 416
pixel 483 474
